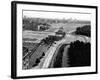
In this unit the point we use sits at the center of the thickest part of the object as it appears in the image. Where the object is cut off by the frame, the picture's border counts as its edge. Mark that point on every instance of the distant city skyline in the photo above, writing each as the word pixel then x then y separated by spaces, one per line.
pixel 53 15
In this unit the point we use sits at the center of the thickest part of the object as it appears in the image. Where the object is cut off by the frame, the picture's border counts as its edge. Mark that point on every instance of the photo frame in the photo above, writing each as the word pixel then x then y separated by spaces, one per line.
pixel 50 39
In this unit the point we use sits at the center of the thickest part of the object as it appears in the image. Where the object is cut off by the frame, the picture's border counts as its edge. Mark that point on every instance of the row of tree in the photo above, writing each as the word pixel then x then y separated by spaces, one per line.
pixel 79 54
pixel 49 40
pixel 84 30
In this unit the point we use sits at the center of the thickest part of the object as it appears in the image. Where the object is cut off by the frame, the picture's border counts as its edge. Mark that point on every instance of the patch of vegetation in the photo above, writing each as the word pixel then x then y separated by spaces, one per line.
pixel 49 40
pixel 29 45
pixel 79 54
pixel 84 30
pixel 28 39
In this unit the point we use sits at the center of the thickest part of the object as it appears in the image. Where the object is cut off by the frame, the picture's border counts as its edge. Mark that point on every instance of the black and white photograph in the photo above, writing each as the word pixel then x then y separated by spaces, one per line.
pixel 57 40
pixel 54 39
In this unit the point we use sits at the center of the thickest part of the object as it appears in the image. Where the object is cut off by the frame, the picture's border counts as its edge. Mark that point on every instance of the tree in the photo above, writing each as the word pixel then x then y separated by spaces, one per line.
pixel 79 54
pixel 84 30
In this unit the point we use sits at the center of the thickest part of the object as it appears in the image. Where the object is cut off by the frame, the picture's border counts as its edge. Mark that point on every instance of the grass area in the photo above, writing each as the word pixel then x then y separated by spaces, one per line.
pixel 28 39
pixel 29 46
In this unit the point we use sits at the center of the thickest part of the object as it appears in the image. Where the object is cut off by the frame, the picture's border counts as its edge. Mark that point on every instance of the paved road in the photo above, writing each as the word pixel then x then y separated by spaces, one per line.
pixel 49 55
pixel 54 56
pixel 45 62
pixel 53 50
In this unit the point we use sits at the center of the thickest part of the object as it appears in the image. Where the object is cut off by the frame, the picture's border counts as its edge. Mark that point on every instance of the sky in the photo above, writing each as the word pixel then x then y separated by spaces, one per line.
pixel 57 15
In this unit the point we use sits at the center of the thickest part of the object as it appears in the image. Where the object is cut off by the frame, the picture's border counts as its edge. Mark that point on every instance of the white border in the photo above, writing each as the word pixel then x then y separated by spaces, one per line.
pixel 36 72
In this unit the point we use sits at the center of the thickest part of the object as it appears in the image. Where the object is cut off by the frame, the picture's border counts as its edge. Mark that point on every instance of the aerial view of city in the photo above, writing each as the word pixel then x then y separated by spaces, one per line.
pixel 55 42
